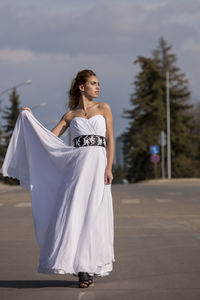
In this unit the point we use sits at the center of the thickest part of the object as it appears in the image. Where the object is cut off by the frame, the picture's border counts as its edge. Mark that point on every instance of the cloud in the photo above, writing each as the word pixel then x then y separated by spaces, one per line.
pixel 15 56
pixel 23 56
pixel 107 27
pixel 191 45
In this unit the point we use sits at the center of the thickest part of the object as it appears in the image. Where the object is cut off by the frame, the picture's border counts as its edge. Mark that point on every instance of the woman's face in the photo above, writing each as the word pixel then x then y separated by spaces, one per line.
pixel 91 87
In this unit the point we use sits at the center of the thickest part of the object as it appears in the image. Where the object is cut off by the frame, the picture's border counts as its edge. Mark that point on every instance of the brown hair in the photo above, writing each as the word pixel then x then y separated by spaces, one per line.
pixel 74 92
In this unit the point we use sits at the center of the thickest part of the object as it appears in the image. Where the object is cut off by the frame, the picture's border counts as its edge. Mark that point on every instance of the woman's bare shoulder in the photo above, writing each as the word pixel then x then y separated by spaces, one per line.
pixel 105 107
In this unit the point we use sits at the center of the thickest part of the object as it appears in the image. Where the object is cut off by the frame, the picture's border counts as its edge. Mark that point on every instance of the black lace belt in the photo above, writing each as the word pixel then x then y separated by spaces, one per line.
pixel 89 140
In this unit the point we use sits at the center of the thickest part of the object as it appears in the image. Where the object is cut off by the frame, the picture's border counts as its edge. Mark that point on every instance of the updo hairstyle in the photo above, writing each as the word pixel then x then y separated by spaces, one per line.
pixel 74 92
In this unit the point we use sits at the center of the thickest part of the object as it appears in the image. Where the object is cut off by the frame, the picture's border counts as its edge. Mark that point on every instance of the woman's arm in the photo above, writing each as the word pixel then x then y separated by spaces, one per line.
pixel 109 142
pixel 60 128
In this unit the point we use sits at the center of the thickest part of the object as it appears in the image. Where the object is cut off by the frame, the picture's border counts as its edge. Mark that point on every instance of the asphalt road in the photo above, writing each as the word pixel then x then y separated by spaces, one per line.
pixel 157 247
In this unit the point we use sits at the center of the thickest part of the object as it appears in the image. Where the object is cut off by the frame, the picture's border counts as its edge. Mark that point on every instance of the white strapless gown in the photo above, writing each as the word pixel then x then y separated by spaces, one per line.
pixel 72 206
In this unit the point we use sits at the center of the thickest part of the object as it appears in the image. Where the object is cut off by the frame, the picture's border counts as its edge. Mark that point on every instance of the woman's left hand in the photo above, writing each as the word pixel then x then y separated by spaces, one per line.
pixel 27 108
pixel 108 176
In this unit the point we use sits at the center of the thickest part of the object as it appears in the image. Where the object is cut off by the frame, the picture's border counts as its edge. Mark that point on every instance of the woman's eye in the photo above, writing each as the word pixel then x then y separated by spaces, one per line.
pixel 94 82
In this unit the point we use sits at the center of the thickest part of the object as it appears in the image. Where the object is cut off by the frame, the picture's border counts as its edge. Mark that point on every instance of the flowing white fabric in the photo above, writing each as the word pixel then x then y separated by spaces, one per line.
pixel 71 205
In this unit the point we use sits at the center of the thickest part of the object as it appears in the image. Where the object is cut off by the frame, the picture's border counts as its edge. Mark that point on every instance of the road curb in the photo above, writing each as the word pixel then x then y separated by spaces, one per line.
pixel 173 180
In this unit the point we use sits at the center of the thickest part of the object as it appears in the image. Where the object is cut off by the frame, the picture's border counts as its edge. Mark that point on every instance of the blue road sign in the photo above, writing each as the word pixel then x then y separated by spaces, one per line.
pixel 154 149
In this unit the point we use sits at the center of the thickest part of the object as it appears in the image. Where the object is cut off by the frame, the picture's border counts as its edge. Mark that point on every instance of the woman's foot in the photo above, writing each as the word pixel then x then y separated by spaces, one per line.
pixel 83 280
pixel 90 279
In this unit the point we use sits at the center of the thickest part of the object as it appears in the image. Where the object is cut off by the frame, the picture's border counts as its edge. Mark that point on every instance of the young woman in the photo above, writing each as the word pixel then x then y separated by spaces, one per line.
pixel 70 186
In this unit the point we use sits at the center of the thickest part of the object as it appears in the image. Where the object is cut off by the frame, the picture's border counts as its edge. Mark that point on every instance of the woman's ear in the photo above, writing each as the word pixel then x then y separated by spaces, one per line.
pixel 81 87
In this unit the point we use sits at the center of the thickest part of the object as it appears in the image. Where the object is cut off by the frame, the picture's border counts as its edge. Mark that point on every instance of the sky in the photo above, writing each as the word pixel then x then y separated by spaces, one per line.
pixel 49 41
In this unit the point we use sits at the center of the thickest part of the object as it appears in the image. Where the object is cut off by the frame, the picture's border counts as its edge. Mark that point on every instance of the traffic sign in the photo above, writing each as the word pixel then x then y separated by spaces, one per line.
pixel 155 158
pixel 154 149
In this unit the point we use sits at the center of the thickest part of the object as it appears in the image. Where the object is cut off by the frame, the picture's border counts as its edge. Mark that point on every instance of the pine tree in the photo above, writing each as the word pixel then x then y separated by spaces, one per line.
pixel 2 148
pixel 196 113
pixel 148 116
pixel 196 132
pixel 2 151
pixel 10 114
pixel 146 121
pixel 181 119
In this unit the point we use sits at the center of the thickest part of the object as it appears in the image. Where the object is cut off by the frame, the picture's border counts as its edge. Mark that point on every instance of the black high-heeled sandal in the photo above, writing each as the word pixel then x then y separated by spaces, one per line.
pixel 90 279
pixel 83 280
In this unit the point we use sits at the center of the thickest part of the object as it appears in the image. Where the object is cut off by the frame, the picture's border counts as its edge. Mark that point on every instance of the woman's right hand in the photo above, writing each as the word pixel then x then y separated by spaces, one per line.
pixel 27 108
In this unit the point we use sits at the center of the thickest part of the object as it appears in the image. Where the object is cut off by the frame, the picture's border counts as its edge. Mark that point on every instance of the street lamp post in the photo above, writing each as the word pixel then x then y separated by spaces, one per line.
pixel 168 127
pixel 16 86
pixel 38 105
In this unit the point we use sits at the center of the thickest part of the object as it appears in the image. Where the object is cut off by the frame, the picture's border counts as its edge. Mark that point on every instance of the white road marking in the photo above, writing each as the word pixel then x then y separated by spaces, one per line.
pixel 23 204
pixel 163 200
pixel 80 295
pixel 130 201
pixel 175 193
pixel 90 295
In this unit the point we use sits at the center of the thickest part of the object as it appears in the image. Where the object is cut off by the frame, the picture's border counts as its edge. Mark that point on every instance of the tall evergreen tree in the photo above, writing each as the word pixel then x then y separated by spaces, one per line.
pixel 196 113
pixel 2 148
pixel 196 132
pixel 148 116
pixel 146 121
pixel 183 149
pixel 10 114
